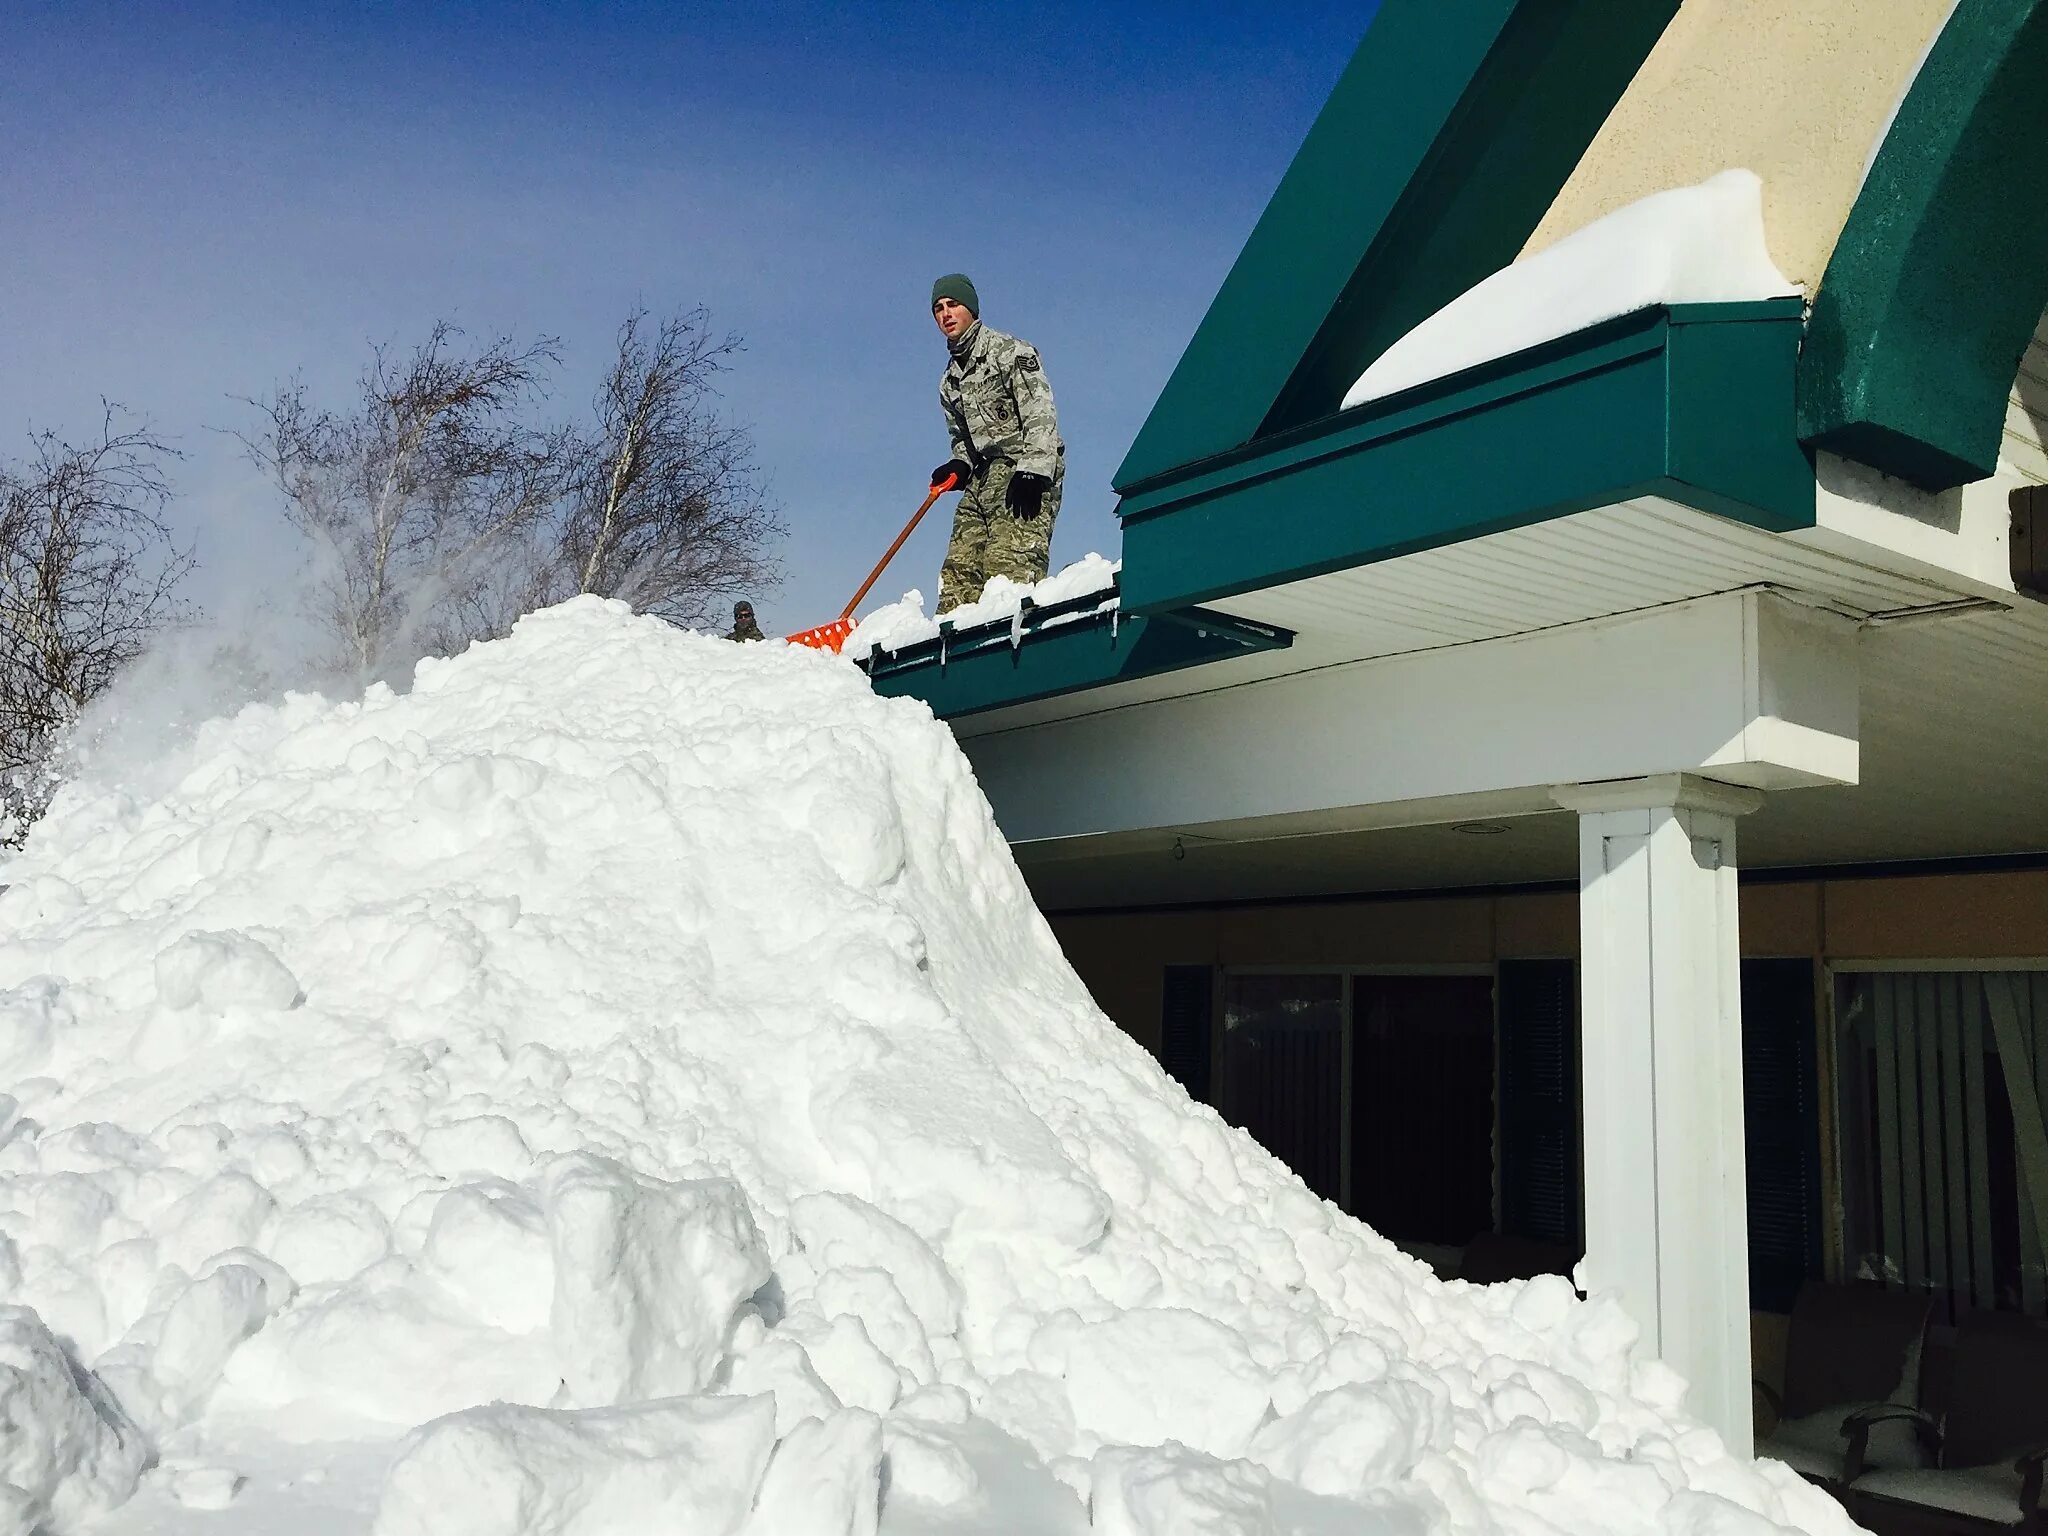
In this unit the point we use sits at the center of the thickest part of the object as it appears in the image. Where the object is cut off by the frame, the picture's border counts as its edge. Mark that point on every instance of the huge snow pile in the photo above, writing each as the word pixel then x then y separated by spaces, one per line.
pixel 1690 245
pixel 623 1085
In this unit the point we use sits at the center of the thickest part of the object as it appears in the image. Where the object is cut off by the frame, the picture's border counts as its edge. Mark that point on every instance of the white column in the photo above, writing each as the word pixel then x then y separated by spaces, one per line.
pixel 1660 985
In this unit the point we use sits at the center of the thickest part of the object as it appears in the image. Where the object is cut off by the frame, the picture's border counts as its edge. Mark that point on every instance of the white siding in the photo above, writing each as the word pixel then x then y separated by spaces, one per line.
pixel 2026 416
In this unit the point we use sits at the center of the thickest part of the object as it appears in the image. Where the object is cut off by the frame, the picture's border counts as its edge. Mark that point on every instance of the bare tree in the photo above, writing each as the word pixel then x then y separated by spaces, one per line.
pixel 88 572
pixel 662 501
pixel 414 496
pixel 438 513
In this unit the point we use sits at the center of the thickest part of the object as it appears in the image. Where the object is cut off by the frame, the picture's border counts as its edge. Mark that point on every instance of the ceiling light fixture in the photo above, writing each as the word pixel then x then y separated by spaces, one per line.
pixel 1480 828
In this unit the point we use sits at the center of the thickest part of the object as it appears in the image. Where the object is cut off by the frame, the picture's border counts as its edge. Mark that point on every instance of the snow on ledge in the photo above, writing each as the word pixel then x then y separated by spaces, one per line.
pixel 904 622
pixel 1691 245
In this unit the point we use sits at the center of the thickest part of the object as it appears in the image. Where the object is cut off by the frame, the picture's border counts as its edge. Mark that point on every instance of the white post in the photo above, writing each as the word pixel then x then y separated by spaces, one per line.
pixel 1661 1011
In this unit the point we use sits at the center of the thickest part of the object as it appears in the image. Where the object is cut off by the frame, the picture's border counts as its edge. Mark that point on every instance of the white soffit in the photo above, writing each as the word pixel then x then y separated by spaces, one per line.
pixel 1620 559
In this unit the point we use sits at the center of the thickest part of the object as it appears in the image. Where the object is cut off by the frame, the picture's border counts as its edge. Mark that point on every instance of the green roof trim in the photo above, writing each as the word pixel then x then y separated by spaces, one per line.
pixel 1444 142
pixel 1691 402
pixel 994 666
pixel 1941 273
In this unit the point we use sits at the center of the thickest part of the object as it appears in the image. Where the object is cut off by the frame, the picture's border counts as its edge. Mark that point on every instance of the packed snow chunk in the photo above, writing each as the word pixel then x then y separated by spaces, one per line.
pixel 1160 1374
pixel 229 1210
pixel 488 1243
pixel 780 1367
pixel 847 1360
pixel 1173 1491
pixel 1690 245
pixel 927 1467
pixel 649 1278
pixel 903 623
pixel 682 1465
pixel 197 1485
pixel 477 1144
pixel 68 1454
pixel 330 1238
pixel 393 1353
pixel 841 1231
pixel 825 1480
pixel 202 1328
pixel 31 1015
pixel 224 970
pixel 1351 1440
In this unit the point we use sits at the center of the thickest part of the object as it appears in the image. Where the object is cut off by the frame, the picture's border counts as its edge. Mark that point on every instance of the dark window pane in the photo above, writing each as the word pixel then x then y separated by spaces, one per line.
pixel 1283 1070
pixel 1422 1106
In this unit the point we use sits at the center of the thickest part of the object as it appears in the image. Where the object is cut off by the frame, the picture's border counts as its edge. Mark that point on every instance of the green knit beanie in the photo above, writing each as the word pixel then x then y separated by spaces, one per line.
pixel 955 286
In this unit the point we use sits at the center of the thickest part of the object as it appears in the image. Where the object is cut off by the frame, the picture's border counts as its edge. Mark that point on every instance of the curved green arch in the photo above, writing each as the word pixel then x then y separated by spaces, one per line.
pixel 1942 270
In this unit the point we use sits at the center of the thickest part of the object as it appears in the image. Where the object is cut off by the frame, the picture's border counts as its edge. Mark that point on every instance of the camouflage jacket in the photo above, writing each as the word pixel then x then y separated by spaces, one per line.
pixel 998 405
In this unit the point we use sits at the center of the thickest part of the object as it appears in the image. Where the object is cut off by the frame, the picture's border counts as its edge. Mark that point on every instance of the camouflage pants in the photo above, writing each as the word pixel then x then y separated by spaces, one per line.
pixel 989 540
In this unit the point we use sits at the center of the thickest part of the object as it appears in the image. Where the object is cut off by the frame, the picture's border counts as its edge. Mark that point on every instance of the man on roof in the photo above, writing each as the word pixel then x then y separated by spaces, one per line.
pixel 1008 461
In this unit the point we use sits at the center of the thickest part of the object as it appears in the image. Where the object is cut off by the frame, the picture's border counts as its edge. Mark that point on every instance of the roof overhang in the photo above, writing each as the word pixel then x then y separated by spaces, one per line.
pixel 1061 648
pixel 1691 403
pixel 1687 404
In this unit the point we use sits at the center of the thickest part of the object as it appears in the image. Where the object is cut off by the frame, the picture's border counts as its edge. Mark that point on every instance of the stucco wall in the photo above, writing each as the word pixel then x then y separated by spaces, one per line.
pixel 1796 90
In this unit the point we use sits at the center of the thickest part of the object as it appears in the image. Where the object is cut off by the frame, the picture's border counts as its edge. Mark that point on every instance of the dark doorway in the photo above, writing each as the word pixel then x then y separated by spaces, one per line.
pixel 1283 1070
pixel 1422 1106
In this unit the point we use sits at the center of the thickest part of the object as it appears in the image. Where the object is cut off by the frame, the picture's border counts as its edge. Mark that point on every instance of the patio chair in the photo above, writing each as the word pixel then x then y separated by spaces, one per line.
pixel 1849 1348
pixel 1989 1448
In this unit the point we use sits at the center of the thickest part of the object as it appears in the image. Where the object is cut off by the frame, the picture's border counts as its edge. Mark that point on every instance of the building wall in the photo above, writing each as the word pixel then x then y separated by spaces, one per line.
pixel 2022 455
pixel 1122 957
pixel 1795 90
pixel 1955 917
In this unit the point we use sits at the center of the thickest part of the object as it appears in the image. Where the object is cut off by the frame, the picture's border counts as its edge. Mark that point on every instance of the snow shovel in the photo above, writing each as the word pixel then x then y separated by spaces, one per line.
pixel 829 637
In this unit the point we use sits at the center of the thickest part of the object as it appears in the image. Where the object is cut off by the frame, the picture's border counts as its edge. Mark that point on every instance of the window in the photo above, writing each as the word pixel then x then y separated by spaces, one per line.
pixel 1376 1089
pixel 1940 1081
pixel 1283 1070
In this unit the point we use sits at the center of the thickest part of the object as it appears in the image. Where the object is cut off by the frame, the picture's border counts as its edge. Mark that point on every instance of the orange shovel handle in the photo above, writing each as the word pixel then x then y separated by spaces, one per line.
pixel 830 637
pixel 909 528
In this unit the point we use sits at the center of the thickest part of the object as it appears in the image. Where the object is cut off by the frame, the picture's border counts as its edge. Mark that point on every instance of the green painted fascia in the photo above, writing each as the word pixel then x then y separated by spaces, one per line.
pixel 1089 652
pixel 1941 273
pixel 1444 142
pixel 1691 402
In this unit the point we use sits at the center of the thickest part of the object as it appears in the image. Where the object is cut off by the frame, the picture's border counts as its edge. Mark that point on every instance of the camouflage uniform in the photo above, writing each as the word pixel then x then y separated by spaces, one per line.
pixel 999 417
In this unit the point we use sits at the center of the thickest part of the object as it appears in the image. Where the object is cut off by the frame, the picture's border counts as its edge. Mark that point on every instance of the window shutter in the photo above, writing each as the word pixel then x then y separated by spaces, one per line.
pixel 1185 1027
pixel 1781 1125
pixel 1540 1190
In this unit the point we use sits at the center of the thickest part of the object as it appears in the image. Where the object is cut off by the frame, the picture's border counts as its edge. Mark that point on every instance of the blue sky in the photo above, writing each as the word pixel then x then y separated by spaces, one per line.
pixel 204 199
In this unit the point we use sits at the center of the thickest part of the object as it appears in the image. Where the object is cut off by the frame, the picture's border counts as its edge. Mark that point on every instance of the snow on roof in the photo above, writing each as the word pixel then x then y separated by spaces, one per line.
pixel 904 622
pixel 1689 245
pixel 635 1060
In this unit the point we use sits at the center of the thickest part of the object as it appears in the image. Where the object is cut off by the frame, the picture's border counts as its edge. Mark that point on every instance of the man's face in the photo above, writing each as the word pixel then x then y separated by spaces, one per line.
pixel 953 316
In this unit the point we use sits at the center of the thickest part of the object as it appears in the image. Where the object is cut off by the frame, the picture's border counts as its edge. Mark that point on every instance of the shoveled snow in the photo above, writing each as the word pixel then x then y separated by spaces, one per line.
pixel 904 622
pixel 1689 245
pixel 623 1085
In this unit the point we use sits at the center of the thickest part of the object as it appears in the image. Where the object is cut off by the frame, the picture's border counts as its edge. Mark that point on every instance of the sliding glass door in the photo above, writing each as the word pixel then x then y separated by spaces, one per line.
pixel 1377 1089
pixel 1941 1079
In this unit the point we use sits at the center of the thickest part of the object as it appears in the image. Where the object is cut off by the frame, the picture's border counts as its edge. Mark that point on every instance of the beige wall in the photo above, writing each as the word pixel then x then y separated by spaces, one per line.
pixel 1122 958
pixel 1796 90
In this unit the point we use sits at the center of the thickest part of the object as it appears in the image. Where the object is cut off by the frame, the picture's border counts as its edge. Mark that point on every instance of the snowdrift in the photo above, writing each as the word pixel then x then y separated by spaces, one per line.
pixel 621 1085
pixel 1702 244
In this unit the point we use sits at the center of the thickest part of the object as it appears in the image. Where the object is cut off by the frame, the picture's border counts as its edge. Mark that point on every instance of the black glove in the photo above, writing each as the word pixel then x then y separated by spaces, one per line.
pixel 1025 496
pixel 957 468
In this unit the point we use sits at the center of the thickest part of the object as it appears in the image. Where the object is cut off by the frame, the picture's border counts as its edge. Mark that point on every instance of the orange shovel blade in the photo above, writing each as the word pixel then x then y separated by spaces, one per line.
pixel 825 637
